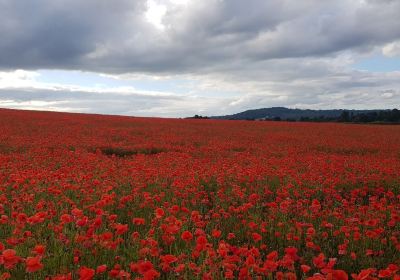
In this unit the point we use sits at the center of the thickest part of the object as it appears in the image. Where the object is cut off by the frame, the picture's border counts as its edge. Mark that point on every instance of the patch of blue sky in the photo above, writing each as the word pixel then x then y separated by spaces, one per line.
pixel 378 63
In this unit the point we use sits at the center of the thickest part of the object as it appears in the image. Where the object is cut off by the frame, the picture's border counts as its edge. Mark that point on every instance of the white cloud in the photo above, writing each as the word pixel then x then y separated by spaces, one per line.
pixel 17 78
pixel 392 49
pixel 22 79
pixel 155 13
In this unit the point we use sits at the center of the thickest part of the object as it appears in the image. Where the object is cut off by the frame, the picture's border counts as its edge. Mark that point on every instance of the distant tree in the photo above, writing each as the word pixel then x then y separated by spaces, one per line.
pixel 200 117
pixel 344 116
pixel 394 115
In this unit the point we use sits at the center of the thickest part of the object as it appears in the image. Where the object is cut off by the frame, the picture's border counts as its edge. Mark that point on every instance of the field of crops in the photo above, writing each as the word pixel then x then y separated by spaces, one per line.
pixel 99 197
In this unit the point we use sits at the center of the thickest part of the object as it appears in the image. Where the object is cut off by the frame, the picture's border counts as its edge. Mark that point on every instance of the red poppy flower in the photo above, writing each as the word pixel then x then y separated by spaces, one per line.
pixel 216 233
pixel 168 259
pixel 33 264
pixel 144 266
pixel 86 273
pixel 187 236
pixel 305 268
pixel 159 213
pixel 9 258
pixel 101 268
pixel 121 229
pixel 256 237
pixel 5 275
pixel 384 273
pixel 138 221
pixel 340 275
pixel 39 249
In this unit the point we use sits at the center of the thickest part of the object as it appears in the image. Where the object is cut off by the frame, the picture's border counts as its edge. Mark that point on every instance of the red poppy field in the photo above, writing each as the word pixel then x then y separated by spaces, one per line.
pixel 103 197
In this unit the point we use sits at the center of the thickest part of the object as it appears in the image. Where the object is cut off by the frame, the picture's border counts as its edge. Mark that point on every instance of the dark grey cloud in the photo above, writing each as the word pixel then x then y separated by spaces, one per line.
pixel 114 36
pixel 333 26
pixel 59 34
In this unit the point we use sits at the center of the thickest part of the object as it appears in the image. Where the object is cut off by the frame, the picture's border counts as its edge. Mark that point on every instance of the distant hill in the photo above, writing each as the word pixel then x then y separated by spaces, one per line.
pixel 290 114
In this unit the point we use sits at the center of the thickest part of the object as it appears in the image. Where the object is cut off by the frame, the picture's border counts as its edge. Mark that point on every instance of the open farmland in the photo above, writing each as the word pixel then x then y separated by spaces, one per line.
pixel 99 197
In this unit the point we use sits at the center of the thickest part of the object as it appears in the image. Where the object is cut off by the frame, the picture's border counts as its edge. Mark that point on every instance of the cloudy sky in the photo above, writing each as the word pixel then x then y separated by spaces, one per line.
pixel 176 58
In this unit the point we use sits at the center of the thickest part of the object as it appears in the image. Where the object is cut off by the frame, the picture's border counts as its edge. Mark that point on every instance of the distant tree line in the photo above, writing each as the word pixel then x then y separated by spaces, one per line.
pixel 198 117
pixel 384 116
pixel 390 116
